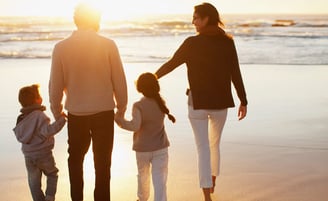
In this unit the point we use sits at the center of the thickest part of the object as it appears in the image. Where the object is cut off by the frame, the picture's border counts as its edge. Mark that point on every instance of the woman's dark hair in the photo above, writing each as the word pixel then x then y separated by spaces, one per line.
pixel 208 10
pixel 148 85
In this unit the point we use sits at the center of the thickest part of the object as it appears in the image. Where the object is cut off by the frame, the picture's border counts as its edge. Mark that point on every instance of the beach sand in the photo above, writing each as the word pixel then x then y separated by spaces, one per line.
pixel 278 153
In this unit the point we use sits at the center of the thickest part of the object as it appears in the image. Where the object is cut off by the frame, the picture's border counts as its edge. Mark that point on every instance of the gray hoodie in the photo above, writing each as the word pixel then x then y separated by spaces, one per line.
pixel 35 132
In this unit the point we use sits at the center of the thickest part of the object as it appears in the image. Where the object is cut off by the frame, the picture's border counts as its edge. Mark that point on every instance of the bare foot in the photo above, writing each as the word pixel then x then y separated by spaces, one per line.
pixel 207 195
pixel 213 182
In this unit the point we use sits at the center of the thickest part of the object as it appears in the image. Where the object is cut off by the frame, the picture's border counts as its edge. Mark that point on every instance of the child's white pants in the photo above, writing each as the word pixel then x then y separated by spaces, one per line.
pixel 155 162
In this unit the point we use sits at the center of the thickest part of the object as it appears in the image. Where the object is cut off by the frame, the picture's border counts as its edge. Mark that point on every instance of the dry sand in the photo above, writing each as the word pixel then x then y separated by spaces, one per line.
pixel 278 153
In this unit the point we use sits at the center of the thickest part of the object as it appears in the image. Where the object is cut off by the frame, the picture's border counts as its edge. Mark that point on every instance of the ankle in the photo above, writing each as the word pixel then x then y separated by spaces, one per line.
pixel 207 194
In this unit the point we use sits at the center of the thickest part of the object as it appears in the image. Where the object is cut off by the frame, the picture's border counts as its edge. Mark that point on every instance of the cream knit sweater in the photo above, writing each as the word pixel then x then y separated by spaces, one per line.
pixel 87 68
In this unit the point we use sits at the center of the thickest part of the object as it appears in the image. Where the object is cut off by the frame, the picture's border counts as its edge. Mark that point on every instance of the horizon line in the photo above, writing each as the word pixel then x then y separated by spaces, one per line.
pixel 176 14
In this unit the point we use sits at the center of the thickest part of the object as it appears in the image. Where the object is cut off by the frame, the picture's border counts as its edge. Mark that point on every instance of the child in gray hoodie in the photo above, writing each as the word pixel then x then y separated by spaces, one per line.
pixel 36 133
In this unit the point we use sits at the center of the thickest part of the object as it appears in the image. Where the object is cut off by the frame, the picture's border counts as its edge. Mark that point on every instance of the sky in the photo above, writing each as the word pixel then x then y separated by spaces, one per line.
pixel 123 9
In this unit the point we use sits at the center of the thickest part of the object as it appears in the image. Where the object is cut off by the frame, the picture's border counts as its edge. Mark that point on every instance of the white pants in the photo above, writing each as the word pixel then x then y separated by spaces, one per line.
pixel 157 161
pixel 207 126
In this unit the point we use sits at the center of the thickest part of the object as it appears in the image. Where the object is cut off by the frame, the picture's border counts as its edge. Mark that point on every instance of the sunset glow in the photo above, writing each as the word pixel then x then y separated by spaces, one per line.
pixel 125 9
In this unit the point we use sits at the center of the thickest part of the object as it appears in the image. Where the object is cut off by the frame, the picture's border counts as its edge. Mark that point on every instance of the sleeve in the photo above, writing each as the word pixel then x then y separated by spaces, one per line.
pixel 46 129
pixel 237 77
pixel 179 57
pixel 118 80
pixel 56 85
pixel 135 123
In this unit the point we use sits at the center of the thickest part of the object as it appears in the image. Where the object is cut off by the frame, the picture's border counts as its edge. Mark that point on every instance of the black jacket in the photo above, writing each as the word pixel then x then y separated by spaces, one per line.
pixel 213 65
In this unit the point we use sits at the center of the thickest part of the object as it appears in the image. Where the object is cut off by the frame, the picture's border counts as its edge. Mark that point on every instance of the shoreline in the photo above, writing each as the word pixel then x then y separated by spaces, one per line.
pixel 278 153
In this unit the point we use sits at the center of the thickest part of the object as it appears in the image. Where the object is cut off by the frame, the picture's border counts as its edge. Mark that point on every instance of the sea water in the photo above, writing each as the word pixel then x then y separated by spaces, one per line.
pixel 260 39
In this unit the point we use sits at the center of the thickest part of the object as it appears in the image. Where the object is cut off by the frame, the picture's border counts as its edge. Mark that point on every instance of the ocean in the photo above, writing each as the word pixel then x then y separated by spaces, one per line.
pixel 260 39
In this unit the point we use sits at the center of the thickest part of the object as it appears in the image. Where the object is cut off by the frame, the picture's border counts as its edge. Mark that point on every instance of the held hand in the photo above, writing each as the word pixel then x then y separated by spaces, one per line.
pixel 64 115
pixel 60 115
pixel 118 118
pixel 119 114
pixel 242 112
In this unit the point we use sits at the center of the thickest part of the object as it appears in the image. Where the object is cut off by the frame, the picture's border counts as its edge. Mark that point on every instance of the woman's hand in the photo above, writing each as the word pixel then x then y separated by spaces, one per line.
pixel 242 112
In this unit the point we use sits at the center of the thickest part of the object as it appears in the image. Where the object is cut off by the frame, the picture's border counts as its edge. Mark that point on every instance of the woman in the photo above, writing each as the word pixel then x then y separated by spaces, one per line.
pixel 212 64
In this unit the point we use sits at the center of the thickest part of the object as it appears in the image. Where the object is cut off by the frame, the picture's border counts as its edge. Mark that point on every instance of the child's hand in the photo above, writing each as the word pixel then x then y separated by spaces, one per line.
pixel 119 114
pixel 64 115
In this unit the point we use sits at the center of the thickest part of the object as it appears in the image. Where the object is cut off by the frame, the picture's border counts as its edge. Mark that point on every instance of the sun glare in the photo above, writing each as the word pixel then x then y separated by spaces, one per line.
pixel 129 9
pixel 118 10
pixel 110 10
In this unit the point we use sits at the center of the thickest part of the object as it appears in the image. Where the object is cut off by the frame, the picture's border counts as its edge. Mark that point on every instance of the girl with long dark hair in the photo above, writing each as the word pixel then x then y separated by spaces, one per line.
pixel 150 140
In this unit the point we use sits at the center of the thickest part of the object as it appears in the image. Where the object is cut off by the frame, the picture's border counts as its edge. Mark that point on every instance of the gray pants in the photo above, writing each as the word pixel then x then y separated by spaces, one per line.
pixel 36 165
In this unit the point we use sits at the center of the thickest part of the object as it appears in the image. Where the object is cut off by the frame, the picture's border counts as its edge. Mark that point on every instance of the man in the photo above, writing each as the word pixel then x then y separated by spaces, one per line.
pixel 87 68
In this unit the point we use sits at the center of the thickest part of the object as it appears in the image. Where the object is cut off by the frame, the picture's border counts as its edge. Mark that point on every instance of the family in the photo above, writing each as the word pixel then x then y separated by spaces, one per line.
pixel 88 75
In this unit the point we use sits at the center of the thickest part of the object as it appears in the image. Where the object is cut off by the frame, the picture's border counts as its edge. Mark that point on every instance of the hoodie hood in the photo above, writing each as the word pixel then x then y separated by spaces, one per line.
pixel 26 127
pixel 27 110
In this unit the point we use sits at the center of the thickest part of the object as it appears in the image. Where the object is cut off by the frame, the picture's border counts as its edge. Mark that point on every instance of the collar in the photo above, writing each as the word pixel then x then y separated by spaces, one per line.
pixel 31 108
pixel 212 30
